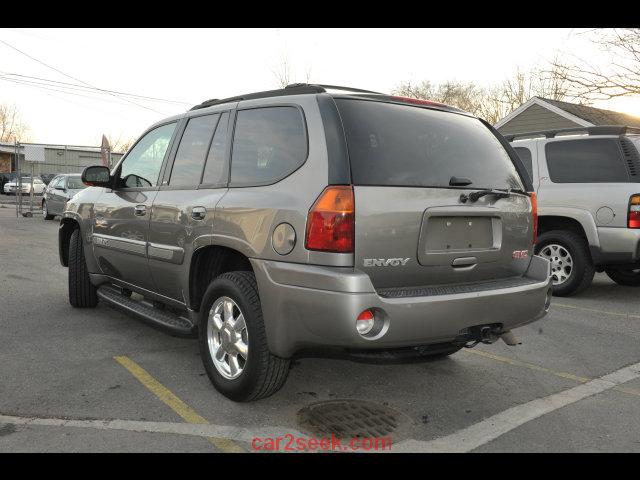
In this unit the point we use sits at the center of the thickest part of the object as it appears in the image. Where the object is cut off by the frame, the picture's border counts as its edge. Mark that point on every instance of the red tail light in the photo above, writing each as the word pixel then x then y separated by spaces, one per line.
pixel 331 221
pixel 633 220
pixel 534 215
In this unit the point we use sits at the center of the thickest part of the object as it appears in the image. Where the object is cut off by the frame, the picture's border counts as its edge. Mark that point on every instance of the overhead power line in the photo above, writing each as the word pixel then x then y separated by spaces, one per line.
pixel 77 79
pixel 76 86
pixel 53 89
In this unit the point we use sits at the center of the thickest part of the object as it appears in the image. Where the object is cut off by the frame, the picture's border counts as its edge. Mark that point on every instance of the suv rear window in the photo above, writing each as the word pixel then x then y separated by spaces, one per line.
pixel 398 145
pixel 596 160
pixel 525 155
pixel 269 143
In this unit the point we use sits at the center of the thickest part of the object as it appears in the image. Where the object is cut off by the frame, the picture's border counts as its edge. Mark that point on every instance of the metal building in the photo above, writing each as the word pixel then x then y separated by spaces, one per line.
pixel 57 158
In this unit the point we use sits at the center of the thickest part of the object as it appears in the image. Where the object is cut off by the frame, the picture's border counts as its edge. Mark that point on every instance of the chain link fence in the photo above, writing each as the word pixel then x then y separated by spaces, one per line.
pixel 34 165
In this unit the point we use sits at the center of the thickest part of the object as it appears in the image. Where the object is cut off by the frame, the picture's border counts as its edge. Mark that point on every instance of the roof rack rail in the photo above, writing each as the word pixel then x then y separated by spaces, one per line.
pixel 332 87
pixel 293 89
pixel 597 130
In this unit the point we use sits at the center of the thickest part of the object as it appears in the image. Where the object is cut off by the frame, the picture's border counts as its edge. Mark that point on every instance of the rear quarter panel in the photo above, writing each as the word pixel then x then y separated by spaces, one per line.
pixel 247 216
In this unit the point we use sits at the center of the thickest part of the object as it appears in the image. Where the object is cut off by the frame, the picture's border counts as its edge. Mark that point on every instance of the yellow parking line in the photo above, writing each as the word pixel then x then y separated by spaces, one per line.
pixel 617 314
pixel 173 402
pixel 538 368
pixel 530 366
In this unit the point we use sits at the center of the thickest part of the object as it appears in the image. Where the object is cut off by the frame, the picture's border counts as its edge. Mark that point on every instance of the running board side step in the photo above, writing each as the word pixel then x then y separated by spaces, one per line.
pixel 163 319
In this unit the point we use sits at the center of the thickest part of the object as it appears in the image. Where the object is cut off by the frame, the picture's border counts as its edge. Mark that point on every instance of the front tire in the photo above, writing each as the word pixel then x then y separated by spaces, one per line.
pixel 233 341
pixel 626 277
pixel 82 294
pixel 572 269
pixel 45 212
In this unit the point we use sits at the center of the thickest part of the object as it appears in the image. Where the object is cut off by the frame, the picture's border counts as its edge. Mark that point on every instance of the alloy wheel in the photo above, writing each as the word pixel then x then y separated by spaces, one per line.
pixel 228 338
pixel 561 262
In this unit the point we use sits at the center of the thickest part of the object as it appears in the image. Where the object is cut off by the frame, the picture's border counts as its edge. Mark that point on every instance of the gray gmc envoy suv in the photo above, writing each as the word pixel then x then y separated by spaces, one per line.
pixel 311 218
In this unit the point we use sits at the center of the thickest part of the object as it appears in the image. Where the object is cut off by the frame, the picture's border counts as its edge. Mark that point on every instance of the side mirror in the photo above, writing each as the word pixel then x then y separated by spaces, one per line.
pixel 59 187
pixel 96 176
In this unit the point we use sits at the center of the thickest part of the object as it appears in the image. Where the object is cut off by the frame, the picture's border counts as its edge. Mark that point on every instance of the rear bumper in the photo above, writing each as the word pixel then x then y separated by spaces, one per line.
pixel 307 306
pixel 618 246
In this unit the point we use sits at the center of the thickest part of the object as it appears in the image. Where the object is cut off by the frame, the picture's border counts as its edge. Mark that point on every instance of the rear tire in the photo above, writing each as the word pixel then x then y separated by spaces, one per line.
pixel 261 373
pixel 45 212
pixel 555 245
pixel 82 294
pixel 626 277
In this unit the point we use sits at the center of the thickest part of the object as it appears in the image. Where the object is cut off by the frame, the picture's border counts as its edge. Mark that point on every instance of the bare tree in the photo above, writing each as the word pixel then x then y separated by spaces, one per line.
pixel 120 144
pixel 551 82
pixel 619 77
pixel 284 76
pixel 464 95
pixel 11 126
pixel 495 101
pixel 283 73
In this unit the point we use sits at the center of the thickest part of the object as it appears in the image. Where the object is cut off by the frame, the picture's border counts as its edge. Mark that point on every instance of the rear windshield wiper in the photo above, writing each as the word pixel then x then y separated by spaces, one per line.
pixel 497 192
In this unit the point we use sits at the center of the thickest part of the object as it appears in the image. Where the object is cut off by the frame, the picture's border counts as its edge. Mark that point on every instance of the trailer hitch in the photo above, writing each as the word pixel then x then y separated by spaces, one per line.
pixel 471 336
pixel 490 333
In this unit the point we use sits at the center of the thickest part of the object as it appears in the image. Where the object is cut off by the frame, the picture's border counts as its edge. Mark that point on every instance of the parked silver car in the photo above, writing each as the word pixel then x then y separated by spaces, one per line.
pixel 588 185
pixel 56 195
pixel 308 218
pixel 14 186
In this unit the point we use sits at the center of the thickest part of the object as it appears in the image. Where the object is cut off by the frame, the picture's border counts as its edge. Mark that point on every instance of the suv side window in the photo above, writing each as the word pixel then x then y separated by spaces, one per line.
pixel 525 155
pixel 141 167
pixel 53 183
pixel 586 161
pixel 189 161
pixel 214 169
pixel 269 144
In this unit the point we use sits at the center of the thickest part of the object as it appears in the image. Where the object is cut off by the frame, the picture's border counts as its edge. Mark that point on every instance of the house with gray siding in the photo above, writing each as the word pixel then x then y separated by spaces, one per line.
pixel 544 114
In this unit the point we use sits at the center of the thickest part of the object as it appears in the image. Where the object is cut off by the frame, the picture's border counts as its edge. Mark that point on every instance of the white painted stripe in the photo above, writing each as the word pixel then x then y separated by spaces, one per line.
pixel 198 430
pixel 464 440
pixel 493 427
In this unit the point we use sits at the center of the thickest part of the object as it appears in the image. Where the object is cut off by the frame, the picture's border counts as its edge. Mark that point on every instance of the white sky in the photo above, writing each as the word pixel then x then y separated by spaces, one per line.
pixel 192 65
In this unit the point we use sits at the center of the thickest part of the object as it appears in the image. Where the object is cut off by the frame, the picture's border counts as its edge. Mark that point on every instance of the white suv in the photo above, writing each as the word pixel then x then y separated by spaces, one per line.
pixel 588 185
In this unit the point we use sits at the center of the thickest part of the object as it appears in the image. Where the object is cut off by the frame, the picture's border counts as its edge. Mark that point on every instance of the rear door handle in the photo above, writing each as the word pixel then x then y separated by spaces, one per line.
pixel 464 262
pixel 140 210
pixel 198 213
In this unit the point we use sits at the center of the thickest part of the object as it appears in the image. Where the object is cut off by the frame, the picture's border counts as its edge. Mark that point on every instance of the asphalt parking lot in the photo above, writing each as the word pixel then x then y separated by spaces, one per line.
pixel 97 380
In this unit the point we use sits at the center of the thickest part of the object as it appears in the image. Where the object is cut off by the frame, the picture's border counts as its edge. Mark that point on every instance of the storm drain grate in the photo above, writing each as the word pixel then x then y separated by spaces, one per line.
pixel 353 419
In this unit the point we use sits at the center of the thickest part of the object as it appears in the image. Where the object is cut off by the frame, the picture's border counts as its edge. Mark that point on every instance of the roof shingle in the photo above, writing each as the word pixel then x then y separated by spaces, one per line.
pixel 597 116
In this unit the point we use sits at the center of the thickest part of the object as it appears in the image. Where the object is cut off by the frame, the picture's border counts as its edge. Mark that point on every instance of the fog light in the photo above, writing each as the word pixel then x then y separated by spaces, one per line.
pixel 365 322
